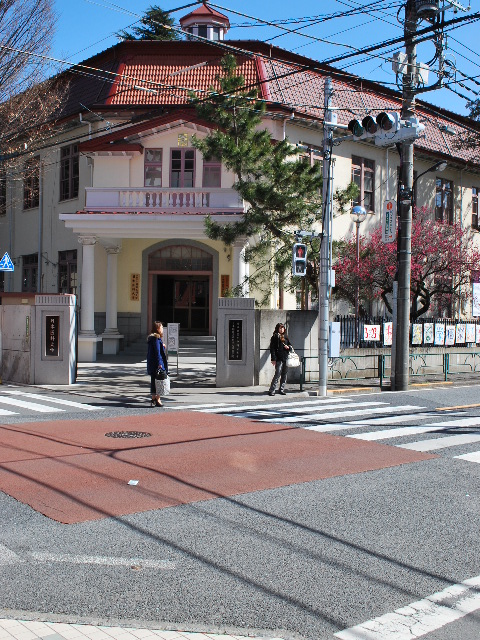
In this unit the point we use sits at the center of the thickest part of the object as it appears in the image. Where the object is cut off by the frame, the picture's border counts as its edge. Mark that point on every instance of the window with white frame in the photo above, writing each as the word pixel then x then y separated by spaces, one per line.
pixel 153 167
pixel 212 173
pixel 444 200
pixel 475 191
pixel 363 175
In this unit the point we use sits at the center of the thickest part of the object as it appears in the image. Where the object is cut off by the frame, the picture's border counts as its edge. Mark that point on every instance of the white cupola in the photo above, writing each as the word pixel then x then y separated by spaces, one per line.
pixel 206 23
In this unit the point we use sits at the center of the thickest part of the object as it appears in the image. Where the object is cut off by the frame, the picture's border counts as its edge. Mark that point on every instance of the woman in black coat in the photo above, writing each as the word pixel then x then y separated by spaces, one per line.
pixel 279 349
pixel 156 358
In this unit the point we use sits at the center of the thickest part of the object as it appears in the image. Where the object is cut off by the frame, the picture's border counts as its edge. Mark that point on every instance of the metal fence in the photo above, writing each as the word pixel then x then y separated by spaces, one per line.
pixel 347 329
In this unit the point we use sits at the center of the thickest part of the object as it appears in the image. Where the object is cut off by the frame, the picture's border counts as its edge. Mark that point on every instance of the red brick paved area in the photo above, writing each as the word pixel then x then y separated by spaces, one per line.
pixel 71 472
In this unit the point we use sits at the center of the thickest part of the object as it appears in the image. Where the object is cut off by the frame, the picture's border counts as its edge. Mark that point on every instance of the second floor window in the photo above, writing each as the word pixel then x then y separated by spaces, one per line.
pixel 444 200
pixel 475 191
pixel 69 172
pixel 153 167
pixel 212 173
pixel 363 175
pixel 182 168
pixel 31 184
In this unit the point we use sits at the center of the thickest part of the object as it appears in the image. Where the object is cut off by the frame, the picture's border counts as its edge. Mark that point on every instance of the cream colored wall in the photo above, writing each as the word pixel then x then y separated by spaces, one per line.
pixel 111 171
pixel 167 141
pixel 130 261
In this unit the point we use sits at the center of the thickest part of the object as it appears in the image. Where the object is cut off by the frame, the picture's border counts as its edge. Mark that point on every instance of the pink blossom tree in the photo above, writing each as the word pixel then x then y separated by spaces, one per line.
pixel 443 258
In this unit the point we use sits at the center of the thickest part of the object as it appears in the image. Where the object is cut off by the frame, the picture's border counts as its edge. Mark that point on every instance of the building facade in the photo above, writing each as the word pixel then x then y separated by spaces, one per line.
pixel 115 212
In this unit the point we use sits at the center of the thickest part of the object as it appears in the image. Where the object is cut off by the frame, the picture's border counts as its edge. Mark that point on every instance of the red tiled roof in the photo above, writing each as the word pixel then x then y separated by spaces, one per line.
pixel 156 73
pixel 204 12
pixel 155 65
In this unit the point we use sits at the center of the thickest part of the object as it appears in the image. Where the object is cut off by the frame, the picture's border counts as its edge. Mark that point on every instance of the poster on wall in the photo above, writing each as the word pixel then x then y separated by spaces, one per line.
pixel 460 334
pixel 450 334
pixel 470 334
pixel 476 299
pixel 387 334
pixel 417 334
pixel 439 334
pixel 371 332
pixel 428 333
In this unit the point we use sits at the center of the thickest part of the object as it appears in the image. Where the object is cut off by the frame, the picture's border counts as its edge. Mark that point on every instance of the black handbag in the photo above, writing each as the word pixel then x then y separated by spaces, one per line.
pixel 161 374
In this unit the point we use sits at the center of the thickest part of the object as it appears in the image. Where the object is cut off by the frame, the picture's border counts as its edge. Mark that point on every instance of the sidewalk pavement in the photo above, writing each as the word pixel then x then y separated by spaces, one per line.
pixel 19 629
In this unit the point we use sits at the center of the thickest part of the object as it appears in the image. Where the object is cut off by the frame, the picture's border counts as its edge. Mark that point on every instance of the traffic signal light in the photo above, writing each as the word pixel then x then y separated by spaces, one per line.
pixel 369 127
pixel 299 261
pixel 386 129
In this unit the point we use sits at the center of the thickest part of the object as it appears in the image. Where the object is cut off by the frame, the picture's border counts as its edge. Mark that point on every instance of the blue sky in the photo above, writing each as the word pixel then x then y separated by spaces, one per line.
pixel 86 27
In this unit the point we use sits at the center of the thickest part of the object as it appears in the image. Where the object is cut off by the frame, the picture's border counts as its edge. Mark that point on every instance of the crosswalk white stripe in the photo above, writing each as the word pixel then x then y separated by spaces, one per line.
pixel 442 443
pixel 461 422
pixel 338 414
pixel 69 403
pixel 392 433
pixel 392 419
pixel 30 405
pixel 471 457
pixel 183 407
pixel 421 617
pixel 6 412
pixel 280 406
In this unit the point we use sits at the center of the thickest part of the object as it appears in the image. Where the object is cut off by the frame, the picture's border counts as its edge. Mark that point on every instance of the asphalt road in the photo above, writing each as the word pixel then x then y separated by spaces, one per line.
pixel 305 560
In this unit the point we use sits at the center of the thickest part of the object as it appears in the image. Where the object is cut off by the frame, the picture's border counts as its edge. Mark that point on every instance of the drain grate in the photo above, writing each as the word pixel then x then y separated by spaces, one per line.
pixel 128 434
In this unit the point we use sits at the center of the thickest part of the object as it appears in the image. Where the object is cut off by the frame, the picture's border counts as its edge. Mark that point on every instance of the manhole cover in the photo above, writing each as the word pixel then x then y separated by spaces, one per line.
pixel 128 434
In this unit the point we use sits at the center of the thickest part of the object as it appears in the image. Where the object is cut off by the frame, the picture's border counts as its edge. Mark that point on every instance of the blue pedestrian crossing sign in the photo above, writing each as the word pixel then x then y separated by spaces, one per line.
pixel 6 264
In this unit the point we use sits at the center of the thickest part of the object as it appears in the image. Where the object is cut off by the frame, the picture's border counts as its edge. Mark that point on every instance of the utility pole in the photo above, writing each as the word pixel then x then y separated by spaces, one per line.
pixel 324 279
pixel 402 353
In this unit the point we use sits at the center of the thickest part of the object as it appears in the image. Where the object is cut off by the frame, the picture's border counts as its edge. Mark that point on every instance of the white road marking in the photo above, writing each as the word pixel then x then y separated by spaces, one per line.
pixel 68 403
pixel 394 419
pixel 340 414
pixel 471 457
pixel 279 406
pixel 6 412
pixel 7 556
pixel 21 404
pixel 103 560
pixel 421 617
pixel 199 406
pixel 442 443
pixel 393 433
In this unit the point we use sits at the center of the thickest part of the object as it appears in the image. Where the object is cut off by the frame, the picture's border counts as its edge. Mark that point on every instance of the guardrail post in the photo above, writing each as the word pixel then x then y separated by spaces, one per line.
pixel 302 373
pixel 381 368
pixel 446 364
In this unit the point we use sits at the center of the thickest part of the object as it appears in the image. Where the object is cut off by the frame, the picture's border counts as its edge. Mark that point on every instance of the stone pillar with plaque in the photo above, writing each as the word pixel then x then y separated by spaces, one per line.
pixel 236 342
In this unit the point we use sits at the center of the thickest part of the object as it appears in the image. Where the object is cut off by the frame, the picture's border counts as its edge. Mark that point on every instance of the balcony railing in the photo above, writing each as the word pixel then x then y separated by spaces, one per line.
pixel 145 199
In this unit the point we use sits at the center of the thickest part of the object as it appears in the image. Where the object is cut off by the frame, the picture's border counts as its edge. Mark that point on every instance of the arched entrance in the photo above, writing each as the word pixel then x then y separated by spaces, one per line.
pixel 180 287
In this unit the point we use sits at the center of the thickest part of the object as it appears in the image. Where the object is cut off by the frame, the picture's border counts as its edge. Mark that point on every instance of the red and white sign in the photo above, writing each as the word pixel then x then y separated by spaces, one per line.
pixel 371 332
pixel 389 221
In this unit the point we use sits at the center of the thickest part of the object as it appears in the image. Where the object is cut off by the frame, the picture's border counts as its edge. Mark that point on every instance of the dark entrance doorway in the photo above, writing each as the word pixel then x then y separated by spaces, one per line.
pixel 180 282
pixel 183 299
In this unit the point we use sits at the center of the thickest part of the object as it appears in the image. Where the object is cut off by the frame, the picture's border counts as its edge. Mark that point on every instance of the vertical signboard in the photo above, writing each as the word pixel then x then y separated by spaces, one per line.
pixel 389 221
pixel 235 346
pixel 52 334
pixel 172 336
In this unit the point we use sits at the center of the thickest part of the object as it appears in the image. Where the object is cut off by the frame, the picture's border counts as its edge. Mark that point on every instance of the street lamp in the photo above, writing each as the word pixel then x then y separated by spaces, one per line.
pixel 438 166
pixel 358 215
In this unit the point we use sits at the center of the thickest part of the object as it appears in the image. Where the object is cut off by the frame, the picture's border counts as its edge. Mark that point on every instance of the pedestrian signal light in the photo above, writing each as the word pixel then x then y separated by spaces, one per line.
pixel 299 262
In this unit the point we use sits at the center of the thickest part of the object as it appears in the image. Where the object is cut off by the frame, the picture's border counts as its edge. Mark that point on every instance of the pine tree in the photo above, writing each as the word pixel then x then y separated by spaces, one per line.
pixel 155 25
pixel 281 192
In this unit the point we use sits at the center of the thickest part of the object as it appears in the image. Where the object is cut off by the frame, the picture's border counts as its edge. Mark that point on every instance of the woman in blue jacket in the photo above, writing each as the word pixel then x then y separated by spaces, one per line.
pixel 156 359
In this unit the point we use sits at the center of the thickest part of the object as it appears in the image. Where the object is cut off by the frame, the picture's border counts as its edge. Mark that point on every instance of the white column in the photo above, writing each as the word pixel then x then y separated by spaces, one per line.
pixel 111 336
pixel 239 266
pixel 87 338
